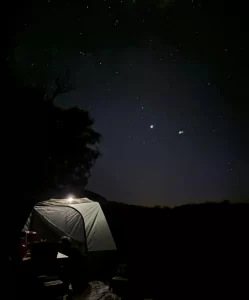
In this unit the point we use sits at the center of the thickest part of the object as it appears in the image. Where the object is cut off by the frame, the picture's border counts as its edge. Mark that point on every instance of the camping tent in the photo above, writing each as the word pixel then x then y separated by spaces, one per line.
pixel 81 219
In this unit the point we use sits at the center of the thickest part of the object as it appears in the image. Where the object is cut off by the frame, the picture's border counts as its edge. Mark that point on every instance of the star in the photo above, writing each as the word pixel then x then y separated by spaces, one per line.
pixel 181 132
pixel 151 126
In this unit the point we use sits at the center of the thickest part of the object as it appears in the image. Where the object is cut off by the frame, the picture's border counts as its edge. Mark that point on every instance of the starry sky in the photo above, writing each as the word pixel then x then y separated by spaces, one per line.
pixel 167 85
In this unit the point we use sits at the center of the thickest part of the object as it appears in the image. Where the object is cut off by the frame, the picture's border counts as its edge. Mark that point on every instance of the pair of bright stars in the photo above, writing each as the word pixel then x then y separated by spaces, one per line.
pixel 180 132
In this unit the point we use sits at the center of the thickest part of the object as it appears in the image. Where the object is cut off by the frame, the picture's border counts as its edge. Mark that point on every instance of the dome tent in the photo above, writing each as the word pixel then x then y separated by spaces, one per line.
pixel 81 219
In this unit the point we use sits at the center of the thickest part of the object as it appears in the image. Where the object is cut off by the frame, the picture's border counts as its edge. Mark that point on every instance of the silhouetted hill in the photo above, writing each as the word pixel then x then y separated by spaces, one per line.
pixel 186 218
pixel 93 196
pixel 192 249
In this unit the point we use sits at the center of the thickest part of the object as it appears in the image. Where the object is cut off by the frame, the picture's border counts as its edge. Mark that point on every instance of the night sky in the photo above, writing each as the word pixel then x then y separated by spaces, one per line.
pixel 167 85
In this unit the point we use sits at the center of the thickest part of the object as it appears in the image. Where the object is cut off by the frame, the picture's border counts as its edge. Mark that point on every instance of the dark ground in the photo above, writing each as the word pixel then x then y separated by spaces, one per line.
pixel 193 250
pixel 190 251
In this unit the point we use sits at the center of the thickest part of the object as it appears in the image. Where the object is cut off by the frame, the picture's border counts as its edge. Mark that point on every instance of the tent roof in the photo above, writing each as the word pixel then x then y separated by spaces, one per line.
pixel 65 202
pixel 80 218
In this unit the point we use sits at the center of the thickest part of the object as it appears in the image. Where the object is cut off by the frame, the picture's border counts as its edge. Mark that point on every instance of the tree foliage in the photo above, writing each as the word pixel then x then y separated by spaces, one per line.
pixel 59 145
pixel 44 147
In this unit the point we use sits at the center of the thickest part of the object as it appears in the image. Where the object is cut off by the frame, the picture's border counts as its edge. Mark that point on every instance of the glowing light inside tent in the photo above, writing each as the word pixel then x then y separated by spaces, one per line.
pixel 70 198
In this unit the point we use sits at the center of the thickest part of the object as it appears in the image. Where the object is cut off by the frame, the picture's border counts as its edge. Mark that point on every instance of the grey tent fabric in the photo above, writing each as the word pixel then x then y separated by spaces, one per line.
pixel 97 229
pixel 81 219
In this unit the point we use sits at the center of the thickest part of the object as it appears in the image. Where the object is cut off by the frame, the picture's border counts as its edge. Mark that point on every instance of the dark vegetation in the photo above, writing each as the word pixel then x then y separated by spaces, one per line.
pixel 56 150
pixel 46 148
pixel 191 250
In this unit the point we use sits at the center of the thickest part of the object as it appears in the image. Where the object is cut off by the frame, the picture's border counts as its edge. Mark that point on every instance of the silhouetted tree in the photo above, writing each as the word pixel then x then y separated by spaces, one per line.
pixel 43 146
pixel 52 148
pixel 60 144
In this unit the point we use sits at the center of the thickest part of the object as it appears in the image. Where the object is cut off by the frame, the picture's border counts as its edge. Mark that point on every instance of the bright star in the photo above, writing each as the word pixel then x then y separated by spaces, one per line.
pixel 151 126
pixel 181 132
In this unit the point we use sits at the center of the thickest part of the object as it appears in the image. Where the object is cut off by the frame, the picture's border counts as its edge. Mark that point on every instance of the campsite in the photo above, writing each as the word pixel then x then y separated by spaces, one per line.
pixel 54 267
pixel 125 166
pixel 151 242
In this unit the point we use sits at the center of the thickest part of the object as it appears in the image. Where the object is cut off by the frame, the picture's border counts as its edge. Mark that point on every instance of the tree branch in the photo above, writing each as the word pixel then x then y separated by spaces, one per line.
pixel 62 86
